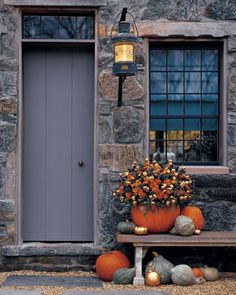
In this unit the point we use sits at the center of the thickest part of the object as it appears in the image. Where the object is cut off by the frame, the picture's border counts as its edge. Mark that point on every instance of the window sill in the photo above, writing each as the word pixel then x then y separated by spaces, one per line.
pixel 207 169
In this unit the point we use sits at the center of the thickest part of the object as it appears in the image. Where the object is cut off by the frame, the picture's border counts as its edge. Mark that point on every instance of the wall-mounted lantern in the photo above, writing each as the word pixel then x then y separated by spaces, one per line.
pixel 124 52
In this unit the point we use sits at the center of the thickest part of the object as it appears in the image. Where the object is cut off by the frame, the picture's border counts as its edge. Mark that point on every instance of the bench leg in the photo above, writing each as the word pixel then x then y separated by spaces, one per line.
pixel 138 279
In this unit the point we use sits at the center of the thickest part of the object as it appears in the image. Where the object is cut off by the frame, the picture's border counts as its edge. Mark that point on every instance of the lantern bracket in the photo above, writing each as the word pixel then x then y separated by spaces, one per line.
pixel 122 15
pixel 121 81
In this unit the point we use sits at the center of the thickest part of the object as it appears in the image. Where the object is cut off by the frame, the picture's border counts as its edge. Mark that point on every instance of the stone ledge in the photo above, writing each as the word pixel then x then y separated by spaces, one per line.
pixel 92 3
pixel 203 181
pixel 46 249
pixel 186 29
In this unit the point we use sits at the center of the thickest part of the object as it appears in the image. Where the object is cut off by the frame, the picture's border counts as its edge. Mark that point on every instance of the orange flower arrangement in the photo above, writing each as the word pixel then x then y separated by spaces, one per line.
pixel 154 183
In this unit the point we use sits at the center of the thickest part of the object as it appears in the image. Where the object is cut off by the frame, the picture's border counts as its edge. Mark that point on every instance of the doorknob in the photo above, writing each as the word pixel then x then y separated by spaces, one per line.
pixel 81 163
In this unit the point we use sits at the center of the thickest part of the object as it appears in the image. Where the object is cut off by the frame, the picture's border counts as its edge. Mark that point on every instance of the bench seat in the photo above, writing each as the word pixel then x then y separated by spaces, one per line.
pixel 142 243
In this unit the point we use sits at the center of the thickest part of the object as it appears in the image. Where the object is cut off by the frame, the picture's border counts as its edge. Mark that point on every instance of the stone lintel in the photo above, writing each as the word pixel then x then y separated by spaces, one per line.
pixel 186 29
pixel 87 3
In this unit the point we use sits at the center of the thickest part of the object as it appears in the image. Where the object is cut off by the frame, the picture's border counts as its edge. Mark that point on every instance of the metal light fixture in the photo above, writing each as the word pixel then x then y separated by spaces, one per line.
pixel 124 51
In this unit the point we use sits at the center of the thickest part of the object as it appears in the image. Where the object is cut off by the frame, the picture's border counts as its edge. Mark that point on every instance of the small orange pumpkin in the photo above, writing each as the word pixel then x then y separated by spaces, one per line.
pixel 108 263
pixel 196 214
pixel 198 272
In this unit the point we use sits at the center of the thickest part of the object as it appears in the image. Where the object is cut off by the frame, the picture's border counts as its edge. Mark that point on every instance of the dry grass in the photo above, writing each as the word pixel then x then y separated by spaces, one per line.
pixel 226 285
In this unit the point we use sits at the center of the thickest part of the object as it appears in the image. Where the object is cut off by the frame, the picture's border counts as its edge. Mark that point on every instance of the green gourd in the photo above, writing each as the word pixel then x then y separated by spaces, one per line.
pixel 183 275
pixel 162 266
pixel 125 227
pixel 210 273
pixel 124 276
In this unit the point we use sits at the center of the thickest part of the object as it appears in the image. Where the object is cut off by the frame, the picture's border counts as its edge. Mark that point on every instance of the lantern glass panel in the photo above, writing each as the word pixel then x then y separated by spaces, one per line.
pixel 124 52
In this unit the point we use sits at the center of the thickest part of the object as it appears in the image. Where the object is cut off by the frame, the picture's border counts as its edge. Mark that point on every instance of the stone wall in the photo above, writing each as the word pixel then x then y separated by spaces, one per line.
pixel 122 132
pixel 125 128
pixel 8 124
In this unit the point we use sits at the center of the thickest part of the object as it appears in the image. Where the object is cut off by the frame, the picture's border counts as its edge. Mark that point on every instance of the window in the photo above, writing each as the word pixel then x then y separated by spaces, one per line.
pixel 58 27
pixel 184 103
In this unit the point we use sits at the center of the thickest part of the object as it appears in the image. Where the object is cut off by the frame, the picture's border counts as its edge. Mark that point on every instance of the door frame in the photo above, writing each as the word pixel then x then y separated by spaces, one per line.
pixel 20 127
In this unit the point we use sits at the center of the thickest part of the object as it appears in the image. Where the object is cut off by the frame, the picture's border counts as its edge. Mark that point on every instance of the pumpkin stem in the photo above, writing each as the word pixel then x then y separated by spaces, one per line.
pixel 105 250
pixel 155 254
pixel 150 267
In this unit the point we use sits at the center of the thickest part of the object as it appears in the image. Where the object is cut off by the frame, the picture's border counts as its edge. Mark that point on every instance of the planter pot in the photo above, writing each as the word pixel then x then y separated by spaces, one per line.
pixel 157 220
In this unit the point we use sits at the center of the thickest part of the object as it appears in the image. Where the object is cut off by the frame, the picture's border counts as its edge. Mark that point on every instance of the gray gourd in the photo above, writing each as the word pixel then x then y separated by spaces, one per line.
pixel 162 266
pixel 125 227
pixel 184 226
pixel 183 275
pixel 210 273
pixel 124 276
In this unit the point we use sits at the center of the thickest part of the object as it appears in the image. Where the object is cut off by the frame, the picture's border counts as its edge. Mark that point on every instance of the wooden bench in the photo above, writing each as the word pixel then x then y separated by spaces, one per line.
pixel 142 243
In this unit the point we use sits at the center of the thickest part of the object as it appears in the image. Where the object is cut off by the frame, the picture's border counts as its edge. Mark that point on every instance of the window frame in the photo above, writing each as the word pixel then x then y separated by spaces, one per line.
pixel 55 13
pixel 222 90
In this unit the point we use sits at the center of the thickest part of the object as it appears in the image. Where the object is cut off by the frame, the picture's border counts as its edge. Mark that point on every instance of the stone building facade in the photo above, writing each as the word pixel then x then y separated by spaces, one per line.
pixel 121 133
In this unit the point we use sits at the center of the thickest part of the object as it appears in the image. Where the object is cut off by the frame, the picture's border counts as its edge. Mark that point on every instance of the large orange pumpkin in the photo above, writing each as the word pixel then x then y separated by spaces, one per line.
pixel 196 214
pixel 198 272
pixel 108 263
pixel 157 220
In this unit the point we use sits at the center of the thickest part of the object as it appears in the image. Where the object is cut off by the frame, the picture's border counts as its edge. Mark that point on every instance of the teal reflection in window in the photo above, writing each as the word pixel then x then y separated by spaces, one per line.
pixel 157 124
pixel 192 124
pixel 192 104
pixel 210 104
pixel 209 82
pixel 192 82
pixel 158 105
pixel 192 60
pixel 175 60
pixel 158 60
pixel 210 60
pixel 175 104
pixel 209 124
pixel 158 82
pixel 175 82
pixel 174 124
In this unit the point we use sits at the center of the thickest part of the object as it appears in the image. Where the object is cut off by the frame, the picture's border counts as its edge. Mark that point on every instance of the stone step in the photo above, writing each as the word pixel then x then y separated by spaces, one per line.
pixel 59 281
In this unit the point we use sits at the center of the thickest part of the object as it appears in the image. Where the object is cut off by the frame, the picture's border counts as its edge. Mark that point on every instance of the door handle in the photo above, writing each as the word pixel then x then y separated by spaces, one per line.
pixel 81 163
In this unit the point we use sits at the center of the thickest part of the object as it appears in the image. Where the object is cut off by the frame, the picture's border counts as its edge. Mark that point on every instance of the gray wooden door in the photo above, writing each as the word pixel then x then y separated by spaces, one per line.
pixel 58 133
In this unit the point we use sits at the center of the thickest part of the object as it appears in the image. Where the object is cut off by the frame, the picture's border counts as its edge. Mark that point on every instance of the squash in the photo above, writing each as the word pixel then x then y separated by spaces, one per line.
pixel 162 266
pixel 196 214
pixel 210 273
pixel 124 276
pixel 184 226
pixel 183 275
pixel 125 227
pixel 198 272
pixel 108 263
pixel 152 278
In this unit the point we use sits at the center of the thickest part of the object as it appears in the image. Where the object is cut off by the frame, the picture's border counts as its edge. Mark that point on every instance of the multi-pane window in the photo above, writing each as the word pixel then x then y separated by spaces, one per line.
pixel 58 27
pixel 184 103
